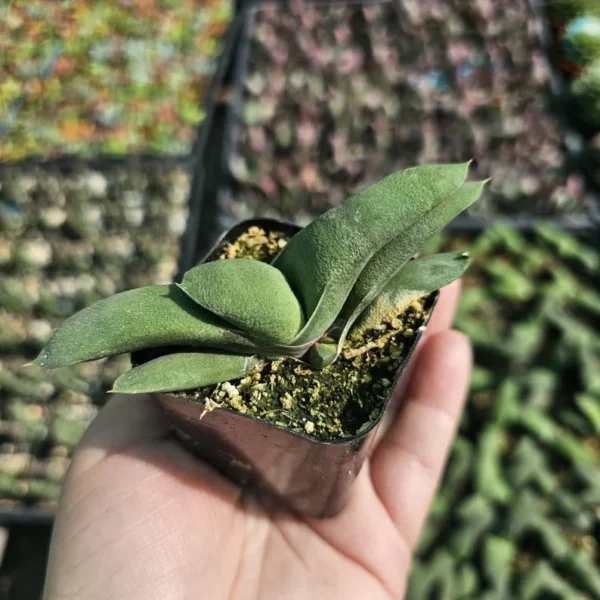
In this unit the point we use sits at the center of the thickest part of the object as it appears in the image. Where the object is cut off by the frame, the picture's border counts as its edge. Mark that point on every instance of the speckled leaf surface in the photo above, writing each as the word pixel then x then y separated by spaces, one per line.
pixel 253 296
pixel 417 278
pixel 143 318
pixel 324 260
pixel 183 371
pixel 382 267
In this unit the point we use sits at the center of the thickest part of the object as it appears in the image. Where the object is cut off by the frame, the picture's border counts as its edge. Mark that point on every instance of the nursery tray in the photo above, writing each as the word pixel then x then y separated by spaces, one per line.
pixel 225 204
pixel 23 568
pixel 101 162
pixel 130 82
pixel 209 144
pixel 155 170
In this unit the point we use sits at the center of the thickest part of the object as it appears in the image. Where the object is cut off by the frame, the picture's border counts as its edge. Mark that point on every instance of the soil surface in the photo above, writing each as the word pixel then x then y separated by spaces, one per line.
pixel 335 402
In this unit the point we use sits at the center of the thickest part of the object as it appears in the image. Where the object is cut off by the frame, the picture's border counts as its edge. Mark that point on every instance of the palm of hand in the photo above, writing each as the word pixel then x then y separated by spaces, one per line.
pixel 141 518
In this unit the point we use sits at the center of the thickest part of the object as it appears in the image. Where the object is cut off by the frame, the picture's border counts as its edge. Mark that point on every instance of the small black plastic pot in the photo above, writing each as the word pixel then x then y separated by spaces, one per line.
pixel 308 476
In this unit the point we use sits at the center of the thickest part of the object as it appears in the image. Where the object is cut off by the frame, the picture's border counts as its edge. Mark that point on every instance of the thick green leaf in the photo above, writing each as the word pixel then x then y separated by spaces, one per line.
pixel 144 318
pixel 388 261
pixel 324 260
pixel 249 294
pixel 183 371
pixel 416 279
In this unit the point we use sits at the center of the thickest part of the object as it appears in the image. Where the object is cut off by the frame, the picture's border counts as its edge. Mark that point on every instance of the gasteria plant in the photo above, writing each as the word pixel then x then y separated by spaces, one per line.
pixel 340 275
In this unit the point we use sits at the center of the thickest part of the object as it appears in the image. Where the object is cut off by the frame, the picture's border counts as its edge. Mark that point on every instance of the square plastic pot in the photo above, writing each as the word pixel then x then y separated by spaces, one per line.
pixel 306 475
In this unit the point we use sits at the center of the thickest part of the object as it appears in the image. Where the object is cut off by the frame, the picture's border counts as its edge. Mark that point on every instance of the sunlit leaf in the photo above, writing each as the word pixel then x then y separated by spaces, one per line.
pixel 183 371
pixel 144 318
pixel 389 260
pixel 249 294
pixel 324 260
pixel 416 279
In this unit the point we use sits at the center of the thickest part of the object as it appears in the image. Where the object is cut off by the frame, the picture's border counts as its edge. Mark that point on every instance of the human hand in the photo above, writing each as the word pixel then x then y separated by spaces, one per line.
pixel 140 517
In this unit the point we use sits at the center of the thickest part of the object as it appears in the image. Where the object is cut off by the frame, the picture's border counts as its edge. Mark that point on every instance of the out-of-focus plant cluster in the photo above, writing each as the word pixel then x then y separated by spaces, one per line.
pixel 337 97
pixel 577 27
pixel 518 513
pixel 105 77
pixel 68 239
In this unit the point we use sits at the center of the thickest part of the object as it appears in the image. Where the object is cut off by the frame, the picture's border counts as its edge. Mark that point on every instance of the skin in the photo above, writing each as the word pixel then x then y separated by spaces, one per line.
pixel 142 518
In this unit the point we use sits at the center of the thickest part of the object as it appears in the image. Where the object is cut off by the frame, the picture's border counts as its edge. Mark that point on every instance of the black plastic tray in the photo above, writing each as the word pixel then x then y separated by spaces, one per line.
pixel 220 200
pixel 26 516
pixel 209 215
pixel 208 144
pixel 245 4
pixel 24 566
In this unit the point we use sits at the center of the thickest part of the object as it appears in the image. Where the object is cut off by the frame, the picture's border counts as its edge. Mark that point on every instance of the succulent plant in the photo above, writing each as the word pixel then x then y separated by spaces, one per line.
pixel 161 55
pixel 67 215
pixel 340 275
pixel 582 39
pixel 585 91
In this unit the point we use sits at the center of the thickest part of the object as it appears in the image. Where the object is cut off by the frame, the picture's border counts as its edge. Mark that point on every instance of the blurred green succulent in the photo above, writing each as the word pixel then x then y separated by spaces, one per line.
pixel 586 94
pixel 342 273
pixel 516 515
pixel 569 9
pixel 582 39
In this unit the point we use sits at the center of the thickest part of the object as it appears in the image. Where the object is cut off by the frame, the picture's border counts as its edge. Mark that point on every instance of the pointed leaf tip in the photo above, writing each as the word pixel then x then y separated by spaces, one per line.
pixel 323 261
pixel 417 278
pixel 146 317
pixel 391 258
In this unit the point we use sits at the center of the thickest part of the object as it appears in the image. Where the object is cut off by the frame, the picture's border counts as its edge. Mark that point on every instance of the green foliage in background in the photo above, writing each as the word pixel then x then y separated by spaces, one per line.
pixel 105 77
pixel 586 95
pixel 565 10
pixel 519 510
pixel 518 513
pixel 582 39
pixel 581 45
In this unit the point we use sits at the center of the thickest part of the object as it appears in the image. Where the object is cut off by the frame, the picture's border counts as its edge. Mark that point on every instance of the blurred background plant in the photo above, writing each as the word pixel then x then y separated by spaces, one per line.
pixel 576 29
pixel 337 97
pixel 105 77
pixel 518 512
pixel 67 239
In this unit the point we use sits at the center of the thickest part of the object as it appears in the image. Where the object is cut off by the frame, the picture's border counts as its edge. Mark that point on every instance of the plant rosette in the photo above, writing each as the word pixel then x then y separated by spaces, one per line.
pixel 275 358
